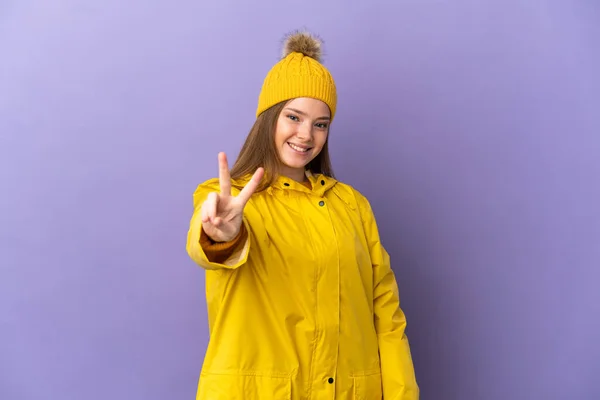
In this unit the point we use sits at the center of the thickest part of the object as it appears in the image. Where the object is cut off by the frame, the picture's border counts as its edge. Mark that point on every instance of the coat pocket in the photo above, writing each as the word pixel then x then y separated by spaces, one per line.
pixel 215 386
pixel 368 386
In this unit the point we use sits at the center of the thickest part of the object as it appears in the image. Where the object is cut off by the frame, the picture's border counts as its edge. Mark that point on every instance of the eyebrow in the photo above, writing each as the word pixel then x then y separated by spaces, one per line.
pixel 304 114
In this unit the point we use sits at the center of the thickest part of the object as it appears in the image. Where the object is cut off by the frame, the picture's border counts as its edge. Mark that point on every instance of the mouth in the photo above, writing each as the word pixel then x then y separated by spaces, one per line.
pixel 298 148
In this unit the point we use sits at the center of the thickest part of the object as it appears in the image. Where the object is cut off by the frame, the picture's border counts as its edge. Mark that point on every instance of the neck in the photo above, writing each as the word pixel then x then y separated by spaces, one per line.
pixel 298 175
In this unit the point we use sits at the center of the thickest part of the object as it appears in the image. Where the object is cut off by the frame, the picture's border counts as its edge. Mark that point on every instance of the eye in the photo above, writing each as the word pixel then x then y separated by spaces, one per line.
pixel 322 125
pixel 293 117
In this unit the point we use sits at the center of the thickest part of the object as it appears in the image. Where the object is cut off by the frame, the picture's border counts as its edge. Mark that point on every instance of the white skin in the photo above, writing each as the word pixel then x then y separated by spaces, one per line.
pixel 300 134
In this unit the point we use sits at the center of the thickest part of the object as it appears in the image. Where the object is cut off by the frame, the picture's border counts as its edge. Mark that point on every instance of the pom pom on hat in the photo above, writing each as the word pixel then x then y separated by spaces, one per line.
pixel 302 42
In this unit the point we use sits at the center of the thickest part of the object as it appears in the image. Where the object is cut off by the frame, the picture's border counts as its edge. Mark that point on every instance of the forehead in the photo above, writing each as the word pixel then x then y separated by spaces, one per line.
pixel 310 106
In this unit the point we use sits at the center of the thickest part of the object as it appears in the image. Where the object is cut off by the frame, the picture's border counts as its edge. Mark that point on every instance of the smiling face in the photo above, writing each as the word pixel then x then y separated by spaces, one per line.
pixel 300 134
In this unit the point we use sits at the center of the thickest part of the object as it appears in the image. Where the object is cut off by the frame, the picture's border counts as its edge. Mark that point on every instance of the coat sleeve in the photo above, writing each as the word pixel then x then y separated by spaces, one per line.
pixel 398 375
pixel 194 248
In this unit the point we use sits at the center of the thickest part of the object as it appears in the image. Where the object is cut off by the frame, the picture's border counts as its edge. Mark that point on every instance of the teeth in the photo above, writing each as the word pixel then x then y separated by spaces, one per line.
pixel 298 148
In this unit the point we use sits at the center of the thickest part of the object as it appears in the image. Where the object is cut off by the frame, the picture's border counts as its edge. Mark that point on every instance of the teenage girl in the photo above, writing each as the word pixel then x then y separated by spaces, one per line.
pixel 302 301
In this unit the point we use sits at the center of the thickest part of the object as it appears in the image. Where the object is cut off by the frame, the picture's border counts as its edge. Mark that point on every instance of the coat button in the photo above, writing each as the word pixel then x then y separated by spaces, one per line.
pixel 321 203
pixel 330 380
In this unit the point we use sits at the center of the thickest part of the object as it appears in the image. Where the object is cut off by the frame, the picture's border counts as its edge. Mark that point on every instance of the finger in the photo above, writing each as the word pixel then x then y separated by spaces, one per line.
pixel 251 186
pixel 224 176
pixel 211 206
pixel 203 213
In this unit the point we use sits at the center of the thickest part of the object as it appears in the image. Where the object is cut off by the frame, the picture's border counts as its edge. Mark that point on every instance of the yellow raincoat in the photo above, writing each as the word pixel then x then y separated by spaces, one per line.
pixel 308 306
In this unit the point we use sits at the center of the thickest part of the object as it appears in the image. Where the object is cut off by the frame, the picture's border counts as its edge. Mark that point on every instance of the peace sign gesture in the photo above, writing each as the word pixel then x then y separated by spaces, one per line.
pixel 221 212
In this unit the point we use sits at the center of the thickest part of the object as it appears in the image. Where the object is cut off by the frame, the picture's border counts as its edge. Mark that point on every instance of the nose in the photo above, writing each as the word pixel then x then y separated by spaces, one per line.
pixel 305 132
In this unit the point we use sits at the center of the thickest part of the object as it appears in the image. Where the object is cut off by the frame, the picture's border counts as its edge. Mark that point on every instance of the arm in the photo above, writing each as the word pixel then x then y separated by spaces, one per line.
pixel 221 217
pixel 202 250
pixel 397 370
pixel 219 252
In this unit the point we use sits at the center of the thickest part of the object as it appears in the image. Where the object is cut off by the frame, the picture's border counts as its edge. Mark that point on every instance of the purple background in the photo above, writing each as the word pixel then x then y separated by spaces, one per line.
pixel 472 126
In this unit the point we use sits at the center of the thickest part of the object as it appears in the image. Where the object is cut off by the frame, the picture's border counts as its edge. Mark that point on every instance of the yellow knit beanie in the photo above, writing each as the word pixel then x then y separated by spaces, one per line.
pixel 298 74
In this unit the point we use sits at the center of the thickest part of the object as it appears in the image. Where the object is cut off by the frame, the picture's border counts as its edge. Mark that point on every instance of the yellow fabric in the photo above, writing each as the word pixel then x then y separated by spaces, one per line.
pixel 221 251
pixel 308 296
pixel 294 76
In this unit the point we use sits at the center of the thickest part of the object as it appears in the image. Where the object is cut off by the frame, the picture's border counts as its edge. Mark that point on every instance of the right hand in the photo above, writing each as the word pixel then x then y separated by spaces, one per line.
pixel 221 212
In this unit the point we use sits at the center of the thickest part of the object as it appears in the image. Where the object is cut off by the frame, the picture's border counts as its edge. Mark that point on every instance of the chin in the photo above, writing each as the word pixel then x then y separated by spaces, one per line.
pixel 295 165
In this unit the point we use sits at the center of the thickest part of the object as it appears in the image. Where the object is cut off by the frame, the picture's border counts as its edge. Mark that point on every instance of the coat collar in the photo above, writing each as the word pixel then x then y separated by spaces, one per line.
pixel 319 182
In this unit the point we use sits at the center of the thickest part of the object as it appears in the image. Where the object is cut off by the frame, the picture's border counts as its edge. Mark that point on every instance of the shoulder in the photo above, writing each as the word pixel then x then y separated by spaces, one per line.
pixel 362 206
pixel 213 185
pixel 353 195
pixel 203 189
pixel 209 184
